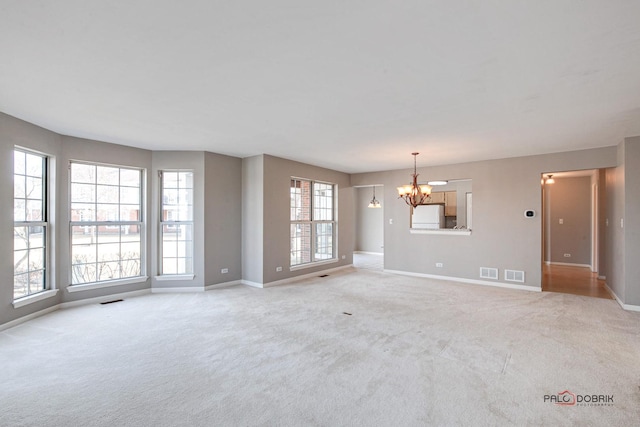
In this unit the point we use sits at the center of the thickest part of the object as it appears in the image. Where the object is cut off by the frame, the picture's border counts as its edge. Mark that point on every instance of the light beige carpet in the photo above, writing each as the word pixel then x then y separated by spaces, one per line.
pixel 410 352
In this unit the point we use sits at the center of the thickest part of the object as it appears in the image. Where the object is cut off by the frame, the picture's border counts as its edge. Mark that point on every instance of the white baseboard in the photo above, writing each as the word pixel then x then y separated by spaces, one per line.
pixel 70 304
pixel 624 306
pixel 368 253
pixel 252 284
pixel 470 281
pixel 195 288
pixel 28 317
pixel 568 264
pixel 294 279
pixel 177 290
pixel 105 298
pixel 223 285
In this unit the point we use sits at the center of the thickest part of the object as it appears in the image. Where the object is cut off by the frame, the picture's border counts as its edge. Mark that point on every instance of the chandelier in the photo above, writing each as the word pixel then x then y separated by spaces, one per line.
pixel 374 203
pixel 413 193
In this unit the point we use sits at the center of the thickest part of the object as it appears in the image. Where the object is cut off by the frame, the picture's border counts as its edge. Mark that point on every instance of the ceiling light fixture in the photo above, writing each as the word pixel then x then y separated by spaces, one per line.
pixel 414 194
pixel 374 203
pixel 550 180
pixel 438 182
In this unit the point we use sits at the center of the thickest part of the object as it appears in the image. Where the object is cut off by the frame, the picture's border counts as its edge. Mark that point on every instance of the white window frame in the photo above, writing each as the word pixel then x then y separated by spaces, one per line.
pixel 141 223
pixel 48 288
pixel 166 223
pixel 313 222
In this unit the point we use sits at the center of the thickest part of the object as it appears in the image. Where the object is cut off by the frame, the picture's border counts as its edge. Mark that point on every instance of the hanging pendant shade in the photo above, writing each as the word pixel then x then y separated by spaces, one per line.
pixel 374 203
pixel 414 194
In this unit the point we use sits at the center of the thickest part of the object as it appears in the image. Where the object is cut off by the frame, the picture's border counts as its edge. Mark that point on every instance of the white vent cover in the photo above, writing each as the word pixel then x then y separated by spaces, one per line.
pixel 489 273
pixel 514 276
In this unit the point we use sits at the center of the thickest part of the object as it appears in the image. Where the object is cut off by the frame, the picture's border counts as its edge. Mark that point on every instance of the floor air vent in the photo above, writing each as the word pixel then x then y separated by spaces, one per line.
pixel 514 276
pixel 489 273
pixel 111 302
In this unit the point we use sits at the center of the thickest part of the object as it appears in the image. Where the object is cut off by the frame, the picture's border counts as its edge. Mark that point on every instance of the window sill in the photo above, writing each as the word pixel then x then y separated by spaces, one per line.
pixel 98 285
pixel 30 299
pixel 174 277
pixel 445 231
pixel 313 264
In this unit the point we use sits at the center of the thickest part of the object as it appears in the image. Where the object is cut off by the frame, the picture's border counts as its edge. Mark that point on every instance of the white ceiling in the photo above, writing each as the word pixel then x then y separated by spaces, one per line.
pixel 350 85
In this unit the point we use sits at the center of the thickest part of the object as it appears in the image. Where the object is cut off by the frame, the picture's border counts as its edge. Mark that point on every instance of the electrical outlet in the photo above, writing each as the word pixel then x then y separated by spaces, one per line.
pixel 561 221
pixel 439 265
pixel 344 257
pixel 278 269
pixel 224 271
pixel 567 255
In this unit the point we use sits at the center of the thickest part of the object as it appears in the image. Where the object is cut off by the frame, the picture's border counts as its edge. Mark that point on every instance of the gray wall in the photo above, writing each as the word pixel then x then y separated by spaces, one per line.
pixel 277 182
pixel 253 218
pixel 603 198
pixel 502 237
pixel 615 246
pixel 217 212
pixel 569 199
pixel 168 160
pixel 99 152
pixel 632 220
pixel 266 184
pixel 62 150
pixel 223 219
pixel 17 132
pixel 248 231
pixel 217 219
pixel 369 231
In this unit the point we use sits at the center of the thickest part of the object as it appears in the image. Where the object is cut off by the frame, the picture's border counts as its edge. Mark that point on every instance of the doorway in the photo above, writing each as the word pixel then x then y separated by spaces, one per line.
pixel 369 237
pixel 570 233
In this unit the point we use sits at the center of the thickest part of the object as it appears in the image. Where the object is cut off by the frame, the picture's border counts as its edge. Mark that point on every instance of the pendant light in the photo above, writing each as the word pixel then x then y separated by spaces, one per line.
pixel 374 203
pixel 414 194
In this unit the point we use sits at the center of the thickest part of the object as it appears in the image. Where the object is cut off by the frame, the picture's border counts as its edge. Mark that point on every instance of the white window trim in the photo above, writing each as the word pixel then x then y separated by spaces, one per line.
pixel 49 206
pixel 141 223
pixel 180 276
pixel 106 284
pixel 30 299
pixel 313 264
pixel 176 277
pixel 312 222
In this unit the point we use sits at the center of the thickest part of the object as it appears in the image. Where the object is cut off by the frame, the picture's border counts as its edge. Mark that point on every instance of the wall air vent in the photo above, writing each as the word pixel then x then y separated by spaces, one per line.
pixel 514 276
pixel 489 273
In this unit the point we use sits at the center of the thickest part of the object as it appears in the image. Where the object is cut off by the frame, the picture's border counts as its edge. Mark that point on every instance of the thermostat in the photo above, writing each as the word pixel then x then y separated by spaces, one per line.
pixel 529 213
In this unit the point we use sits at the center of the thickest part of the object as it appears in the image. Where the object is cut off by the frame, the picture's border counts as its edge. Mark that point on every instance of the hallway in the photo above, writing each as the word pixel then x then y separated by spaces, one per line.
pixel 573 280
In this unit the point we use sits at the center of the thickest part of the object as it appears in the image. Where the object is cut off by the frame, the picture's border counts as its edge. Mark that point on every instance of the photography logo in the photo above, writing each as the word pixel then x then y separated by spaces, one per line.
pixel 567 398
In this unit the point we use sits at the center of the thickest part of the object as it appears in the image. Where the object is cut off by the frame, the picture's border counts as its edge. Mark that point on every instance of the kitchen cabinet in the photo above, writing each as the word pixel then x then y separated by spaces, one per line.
pixel 437 197
pixel 450 203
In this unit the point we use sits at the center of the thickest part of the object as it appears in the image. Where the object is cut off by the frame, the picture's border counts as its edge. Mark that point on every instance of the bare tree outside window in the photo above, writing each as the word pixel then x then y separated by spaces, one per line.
pixel 29 223
pixel 106 223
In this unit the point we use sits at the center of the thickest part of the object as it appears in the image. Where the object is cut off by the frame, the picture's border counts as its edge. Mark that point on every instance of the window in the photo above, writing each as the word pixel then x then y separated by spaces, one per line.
pixel 176 223
pixel 313 225
pixel 30 223
pixel 106 223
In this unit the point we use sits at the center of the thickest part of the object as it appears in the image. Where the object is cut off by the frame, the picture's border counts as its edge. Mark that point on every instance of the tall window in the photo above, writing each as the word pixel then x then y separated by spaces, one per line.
pixel 313 224
pixel 106 223
pixel 176 222
pixel 30 223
